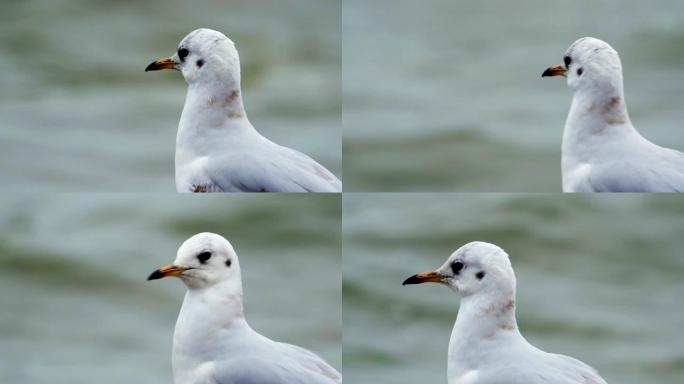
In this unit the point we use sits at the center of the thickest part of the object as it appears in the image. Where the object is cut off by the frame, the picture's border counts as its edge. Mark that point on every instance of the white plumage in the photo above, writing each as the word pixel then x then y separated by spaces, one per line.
pixel 212 343
pixel 486 346
pixel 217 148
pixel 602 151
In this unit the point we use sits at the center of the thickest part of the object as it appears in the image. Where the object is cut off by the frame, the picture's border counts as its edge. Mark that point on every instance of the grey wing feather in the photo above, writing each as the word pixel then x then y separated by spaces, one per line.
pixel 313 362
pixel 559 369
pixel 295 172
pixel 581 372
pixel 281 370
pixel 662 174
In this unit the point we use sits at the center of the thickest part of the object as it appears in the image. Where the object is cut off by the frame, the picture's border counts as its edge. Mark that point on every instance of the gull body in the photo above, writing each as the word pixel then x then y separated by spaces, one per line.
pixel 602 151
pixel 213 343
pixel 486 346
pixel 217 148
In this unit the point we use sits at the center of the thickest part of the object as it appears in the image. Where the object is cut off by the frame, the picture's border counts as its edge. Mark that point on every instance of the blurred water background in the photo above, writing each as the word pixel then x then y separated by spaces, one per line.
pixel 444 95
pixel 600 278
pixel 80 114
pixel 76 307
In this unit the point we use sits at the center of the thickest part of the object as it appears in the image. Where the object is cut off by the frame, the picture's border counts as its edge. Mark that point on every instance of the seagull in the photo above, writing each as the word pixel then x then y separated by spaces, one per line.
pixel 217 148
pixel 602 151
pixel 212 343
pixel 486 346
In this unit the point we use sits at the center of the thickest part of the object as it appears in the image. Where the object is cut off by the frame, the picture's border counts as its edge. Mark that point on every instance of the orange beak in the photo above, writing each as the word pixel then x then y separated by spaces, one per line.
pixel 169 270
pixel 165 63
pixel 555 70
pixel 424 277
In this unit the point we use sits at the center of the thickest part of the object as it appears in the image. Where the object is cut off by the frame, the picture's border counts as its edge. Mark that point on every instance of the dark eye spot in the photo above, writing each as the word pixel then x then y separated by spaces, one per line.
pixel 200 63
pixel 457 267
pixel 480 275
pixel 204 257
pixel 228 263
pixel 183 53
pixel 580 71
pixel 567 61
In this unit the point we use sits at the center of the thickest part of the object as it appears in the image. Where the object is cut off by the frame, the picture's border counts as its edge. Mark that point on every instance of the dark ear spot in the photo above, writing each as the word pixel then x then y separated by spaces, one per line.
pixel 228 263
pixel 480 275
pixel 204 257
pixel 200 63
pixel 580 71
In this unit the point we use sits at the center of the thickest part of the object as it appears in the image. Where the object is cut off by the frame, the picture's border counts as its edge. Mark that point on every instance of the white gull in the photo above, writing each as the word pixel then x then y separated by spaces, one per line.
pixel 486 346
pixel 602 151
pixel 217 148
pixel 212 343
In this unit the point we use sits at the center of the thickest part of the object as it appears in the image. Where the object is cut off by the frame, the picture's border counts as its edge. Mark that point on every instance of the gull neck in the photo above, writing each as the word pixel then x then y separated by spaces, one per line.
pixel 597 118
pixel 226 98
pixel 596 108
pixel 481 324
pixel 210 118
pixel 481 316
pixel 210 319
pixel 218 306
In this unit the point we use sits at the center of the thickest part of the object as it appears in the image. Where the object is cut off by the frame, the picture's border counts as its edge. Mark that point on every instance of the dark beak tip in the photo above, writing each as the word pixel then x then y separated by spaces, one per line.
pixel 155 275
pixel 546 73
pixel 411 280
pixel 151 67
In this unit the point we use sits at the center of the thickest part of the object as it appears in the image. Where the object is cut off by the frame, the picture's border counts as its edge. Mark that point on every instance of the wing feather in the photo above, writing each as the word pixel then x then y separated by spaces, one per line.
pixel 284 171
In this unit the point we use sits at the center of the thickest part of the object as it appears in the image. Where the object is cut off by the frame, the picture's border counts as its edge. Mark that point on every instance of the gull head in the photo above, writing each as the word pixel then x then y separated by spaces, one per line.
pixel 204 56
pixel 477 268
pixel 202 261
pixel 589 64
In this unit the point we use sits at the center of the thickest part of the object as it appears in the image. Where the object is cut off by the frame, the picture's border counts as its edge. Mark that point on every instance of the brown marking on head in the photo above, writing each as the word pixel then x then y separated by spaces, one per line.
pixel 230 102
pixel 505 316
pixel 234 105
pixel 233 95
pixel 616 120
pixel 614 114
pixel 614 102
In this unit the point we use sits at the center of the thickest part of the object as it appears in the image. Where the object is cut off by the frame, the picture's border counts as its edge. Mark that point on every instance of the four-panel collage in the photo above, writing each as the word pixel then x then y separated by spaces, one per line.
pixel 329 191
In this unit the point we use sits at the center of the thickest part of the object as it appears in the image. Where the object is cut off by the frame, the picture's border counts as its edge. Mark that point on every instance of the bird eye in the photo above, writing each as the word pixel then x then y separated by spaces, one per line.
pixel 204 256
pixel 182 53
pixel 229 263
pixel 567 61
pixel 457 267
